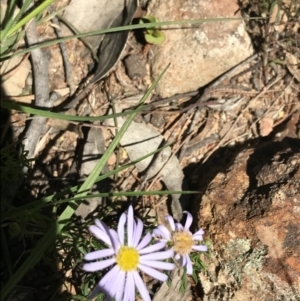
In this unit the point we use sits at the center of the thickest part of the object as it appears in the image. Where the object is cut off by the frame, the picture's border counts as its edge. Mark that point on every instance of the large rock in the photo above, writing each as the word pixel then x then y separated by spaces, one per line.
pixel 251 213
pixel 92 15
pixel 199 54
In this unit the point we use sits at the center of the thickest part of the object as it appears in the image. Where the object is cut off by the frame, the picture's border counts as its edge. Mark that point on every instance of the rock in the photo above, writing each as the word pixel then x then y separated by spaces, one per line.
pixel 135 66
pixel 251 214
pixel 18 72
pixel 92 15
pixel 199 54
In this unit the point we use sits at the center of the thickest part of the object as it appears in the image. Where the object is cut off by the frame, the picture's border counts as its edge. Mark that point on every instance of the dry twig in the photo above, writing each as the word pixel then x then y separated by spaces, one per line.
pixel 40 64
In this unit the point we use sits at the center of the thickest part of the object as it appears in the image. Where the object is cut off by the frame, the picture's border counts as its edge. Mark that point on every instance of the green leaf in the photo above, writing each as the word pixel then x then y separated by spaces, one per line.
pixel 30 16
pixel 156 38
pixel 11 105
pixel 147 20
pixel 10 42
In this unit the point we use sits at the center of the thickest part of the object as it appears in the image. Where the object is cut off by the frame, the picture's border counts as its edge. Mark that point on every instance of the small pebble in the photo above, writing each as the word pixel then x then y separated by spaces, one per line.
pixel 135 66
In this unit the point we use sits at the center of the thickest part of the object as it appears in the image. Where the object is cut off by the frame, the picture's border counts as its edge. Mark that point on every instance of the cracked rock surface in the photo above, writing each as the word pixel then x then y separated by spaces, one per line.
pixel 251 213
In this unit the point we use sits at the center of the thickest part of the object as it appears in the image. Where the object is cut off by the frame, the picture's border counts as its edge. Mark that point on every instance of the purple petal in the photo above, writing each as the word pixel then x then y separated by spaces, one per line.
pixel 141 287
pixel 198 237
pixel 177 256
pixel 189 220
pixel 199 232
pixel 189 267
pixel 137 233
pixel 179 227
pixel 98 265
pixel 170 219
pixel 153 273
pixel 119 286
pixel 99 254
pixel 129 293
pixel 158 255
pixel 110 287
pixel 158 264
pixel 153 248
pixel 101 225
pixel 121 226
pixel 130 221
pixel 162 231
pixel 114 240
pixel 110 277
pixel 108 281
pixel 100 234
pixel 144 242
pixel 112 274
pixel 201 248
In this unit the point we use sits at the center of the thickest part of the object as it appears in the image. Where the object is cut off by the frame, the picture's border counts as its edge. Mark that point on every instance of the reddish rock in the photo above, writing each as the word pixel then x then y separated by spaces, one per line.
pixel 251 214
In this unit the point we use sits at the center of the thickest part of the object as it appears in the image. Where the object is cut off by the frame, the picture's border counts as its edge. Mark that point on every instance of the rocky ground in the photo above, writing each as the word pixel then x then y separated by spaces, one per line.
pixel 228 103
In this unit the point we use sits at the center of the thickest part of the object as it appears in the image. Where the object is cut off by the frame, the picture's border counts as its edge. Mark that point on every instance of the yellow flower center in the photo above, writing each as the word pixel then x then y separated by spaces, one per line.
pixel 128 259
pixel 183 243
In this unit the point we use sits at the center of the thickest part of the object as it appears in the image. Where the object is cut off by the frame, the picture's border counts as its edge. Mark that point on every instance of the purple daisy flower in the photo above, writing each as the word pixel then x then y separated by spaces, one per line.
pixel 181 240
pixel 129 256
